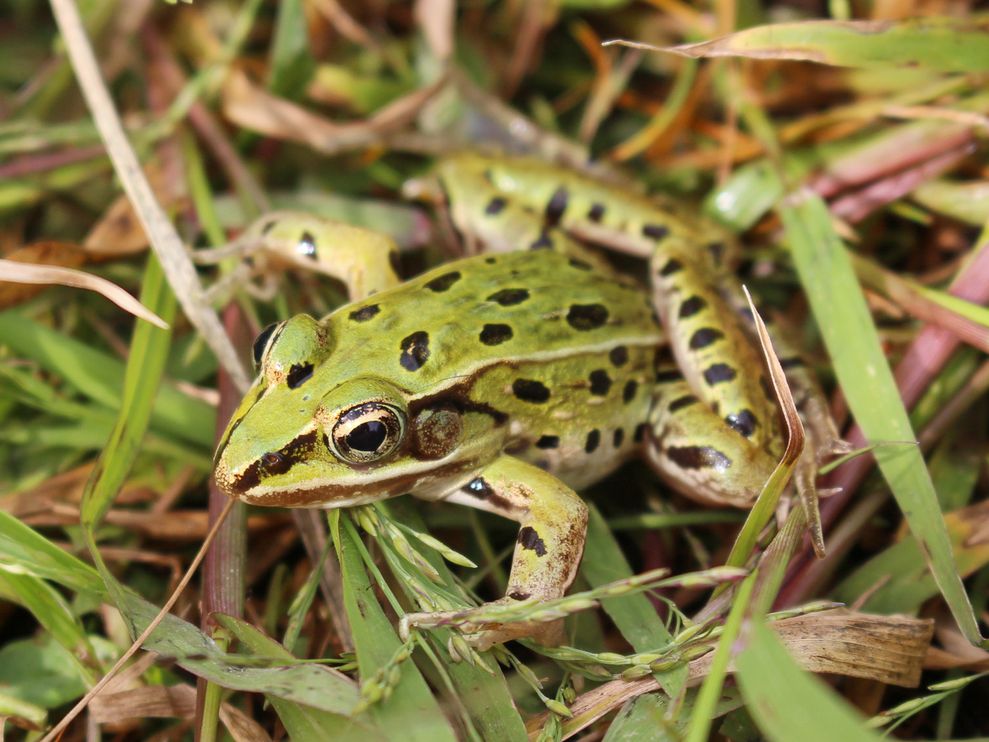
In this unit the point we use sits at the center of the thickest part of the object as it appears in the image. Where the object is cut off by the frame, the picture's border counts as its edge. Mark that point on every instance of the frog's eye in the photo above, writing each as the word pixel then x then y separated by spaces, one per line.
pixel 368 432
pixel 261 342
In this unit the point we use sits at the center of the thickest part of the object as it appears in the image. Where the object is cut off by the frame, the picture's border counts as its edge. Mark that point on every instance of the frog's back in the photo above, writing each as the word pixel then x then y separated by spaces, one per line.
pixel 467 316
pixel 560 353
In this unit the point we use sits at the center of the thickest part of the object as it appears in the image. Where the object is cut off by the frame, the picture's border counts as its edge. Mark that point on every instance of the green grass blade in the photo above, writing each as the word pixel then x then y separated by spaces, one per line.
pixel 634 615
pixel 786 702
pixel 484 695
pixel 301 722
pixel 100 376
pixel 24 550
pixel 707 698
pixel 411 713
pixel 868 384
pixel 943 44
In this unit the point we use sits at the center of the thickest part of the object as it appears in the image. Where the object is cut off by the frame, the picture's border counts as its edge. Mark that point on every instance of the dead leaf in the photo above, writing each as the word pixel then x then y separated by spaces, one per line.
pixel 889 649
pixel 32 273
pixel 250 106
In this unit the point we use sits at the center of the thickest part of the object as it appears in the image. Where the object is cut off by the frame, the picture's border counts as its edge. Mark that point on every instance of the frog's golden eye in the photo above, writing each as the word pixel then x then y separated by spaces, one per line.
pixel 368 432
pixel 261 342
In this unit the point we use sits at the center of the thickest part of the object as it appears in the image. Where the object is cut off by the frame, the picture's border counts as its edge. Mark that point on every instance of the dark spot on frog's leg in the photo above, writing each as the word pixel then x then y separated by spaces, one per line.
pixel 680 402
pixel 717 251
pixel 592 442
pixel 704 337
pixel 557 205
pixel 788 363
pixel 655 231
pixel 691 306
pixel 415 351
pixel 490 261
pixel 443 282
pixel 519 595
pixel 628 393
pixel 365 313
pixel 670 267
pixel 494 334
pixel 587 316
pixel 600 382
pixel 543 242
pixel 495 206
pixel 530 390
pixel 548 441
pixel 579 264
pixel 667 375
pixel 619 355
pixel 596 212
pixel 618 437
pixel 717 373
pixel 298 374
pixel 640 432
pixel 269 225
pixel 529 539
pixel 744 422
pixel 307 245
pixel 698 457
pixel 509 297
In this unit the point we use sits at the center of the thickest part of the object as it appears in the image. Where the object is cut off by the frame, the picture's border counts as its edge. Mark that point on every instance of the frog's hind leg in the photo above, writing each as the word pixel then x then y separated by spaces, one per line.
pixel 695 452
pixel 550 542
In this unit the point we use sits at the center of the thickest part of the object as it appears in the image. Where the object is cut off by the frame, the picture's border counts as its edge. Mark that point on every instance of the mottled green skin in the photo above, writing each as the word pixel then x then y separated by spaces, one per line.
pixel 358 353
pixel 505 377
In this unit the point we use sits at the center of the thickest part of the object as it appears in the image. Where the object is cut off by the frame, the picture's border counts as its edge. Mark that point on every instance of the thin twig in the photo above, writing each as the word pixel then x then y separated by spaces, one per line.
pixel 164 239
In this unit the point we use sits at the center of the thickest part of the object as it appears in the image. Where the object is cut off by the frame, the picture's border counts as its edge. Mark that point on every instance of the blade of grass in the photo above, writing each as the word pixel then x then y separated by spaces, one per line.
pixel 301 722
pixel 411 713
pixel 635 617
pixel 853 344
pixel 100 376
pixel 707 697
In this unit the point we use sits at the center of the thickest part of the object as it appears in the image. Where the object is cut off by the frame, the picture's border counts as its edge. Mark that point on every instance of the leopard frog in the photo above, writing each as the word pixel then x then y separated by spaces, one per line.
pixel 509 379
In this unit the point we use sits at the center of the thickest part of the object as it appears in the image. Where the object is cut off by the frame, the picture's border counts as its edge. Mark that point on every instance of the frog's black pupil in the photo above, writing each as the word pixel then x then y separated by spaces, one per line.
pixel 261 341
pixel 367 436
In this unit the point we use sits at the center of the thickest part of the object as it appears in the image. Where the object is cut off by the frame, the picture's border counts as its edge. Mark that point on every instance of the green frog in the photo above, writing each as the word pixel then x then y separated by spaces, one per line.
pixel 510 379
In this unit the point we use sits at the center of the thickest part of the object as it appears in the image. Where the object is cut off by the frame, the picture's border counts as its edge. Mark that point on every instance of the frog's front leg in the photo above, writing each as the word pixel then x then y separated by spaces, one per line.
pixel 550 542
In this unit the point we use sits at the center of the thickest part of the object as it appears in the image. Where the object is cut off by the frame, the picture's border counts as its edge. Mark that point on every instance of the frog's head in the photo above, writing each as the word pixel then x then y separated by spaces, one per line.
pixel 311 433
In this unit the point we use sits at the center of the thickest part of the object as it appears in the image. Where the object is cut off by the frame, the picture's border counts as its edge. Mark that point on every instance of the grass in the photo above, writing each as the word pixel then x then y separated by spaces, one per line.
pixel 857 184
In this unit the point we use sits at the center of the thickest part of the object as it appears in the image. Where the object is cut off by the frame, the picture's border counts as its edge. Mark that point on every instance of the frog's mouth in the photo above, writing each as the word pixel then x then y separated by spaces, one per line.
pixel 259 485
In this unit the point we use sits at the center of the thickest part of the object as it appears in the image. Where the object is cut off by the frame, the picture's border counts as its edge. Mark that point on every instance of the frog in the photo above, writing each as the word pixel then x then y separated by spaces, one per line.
pixel 513 378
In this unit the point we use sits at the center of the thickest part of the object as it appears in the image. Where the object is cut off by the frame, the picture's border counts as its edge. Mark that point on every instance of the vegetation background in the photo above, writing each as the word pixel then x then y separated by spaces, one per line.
pixel 844 141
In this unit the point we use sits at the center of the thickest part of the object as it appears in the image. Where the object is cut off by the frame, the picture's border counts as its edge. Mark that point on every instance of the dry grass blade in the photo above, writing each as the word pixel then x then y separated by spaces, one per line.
pixel 252 107
pixel 164 239
pixel 16 272
pixel 888 649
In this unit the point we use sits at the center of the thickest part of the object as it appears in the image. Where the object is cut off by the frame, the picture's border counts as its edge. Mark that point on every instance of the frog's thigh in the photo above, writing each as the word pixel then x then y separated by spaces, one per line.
pixel 550 542
pixel 693 450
